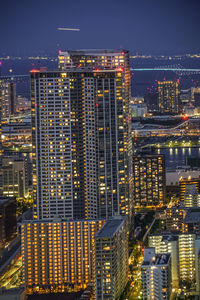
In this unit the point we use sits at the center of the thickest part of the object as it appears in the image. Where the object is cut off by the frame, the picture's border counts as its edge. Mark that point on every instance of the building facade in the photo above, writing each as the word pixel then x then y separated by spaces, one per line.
pixel 148 180
pixel 8 98
pixel 175 216
pixel 80 144
pixel 8 220
pixel 182 249
pixel 167 244
pixel 156 275
pixel 14 177
pixel 191 196
pixel 58 255
pixel 111 256
pixel 184 182
pixel 168 96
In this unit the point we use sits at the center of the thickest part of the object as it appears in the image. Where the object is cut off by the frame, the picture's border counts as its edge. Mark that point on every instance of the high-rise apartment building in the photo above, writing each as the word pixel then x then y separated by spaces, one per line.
pixel 82 170
pixel 168 96
pixel 7 98
pixel 108 60
pixel 156 275
pixel 149 181
pixel 58 255
pixel 111 256
pixel 81 148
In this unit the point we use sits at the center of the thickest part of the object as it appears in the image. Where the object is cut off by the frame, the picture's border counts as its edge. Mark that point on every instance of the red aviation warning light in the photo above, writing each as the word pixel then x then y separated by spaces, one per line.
pixel 34 71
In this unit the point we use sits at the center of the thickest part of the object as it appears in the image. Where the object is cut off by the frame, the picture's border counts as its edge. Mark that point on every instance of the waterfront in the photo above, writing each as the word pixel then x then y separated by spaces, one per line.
pixel 176 157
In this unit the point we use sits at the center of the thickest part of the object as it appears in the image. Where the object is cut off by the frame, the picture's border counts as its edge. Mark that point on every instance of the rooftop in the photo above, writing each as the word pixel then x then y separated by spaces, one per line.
pixel 110 227
pixel 157 260
pixel 93 51
pixel 61 220
pixel 193 215
pixel 6 200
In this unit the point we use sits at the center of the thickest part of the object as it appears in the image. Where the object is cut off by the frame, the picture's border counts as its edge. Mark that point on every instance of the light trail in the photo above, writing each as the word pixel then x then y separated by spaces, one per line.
pixel 69 29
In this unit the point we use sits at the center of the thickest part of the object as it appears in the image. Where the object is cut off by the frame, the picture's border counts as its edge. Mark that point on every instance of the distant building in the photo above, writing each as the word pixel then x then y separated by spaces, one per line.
pixel 138 110
pixel 137 100
pixel 8 220
pixel 7 98
pixel 156 275
pixel 177 179
pixel 174 218
pixel 185 97
pixel 191 223
pixel 168 97
pixel 22 104
pixel 58 255
pixel 151 100
pixel 15 177
pixel 191 196
pixel 195 92
pixel 148 180
pixel 111 256
pixel 184 182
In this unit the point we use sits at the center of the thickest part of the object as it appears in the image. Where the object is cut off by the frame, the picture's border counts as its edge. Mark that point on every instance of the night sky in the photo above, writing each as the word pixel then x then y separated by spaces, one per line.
pixel 145 26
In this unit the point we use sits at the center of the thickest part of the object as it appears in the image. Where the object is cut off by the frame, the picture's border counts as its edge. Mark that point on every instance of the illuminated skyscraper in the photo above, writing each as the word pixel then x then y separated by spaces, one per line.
pixel 168 96
pixel 109 60
pixel 80 144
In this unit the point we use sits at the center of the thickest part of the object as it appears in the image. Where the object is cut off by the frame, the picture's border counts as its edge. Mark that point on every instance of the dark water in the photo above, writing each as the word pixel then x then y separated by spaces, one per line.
pixel 175 157
pixel 141 81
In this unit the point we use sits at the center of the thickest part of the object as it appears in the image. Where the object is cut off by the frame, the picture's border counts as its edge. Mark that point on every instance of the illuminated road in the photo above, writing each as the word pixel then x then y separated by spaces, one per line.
pixel 11 277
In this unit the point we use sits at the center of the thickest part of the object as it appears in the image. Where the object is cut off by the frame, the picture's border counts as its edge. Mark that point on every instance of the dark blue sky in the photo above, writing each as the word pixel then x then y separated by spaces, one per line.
pixel 144 26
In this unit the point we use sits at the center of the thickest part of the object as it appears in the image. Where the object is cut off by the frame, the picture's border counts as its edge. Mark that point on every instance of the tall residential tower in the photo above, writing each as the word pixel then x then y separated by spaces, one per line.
pixel 82 141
